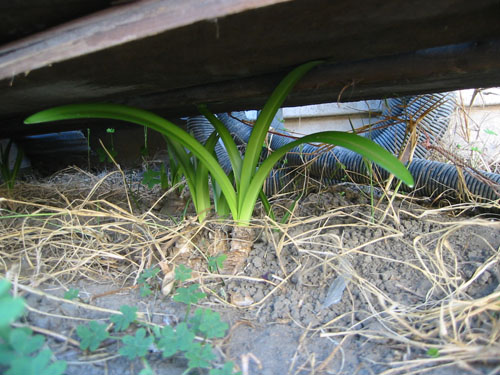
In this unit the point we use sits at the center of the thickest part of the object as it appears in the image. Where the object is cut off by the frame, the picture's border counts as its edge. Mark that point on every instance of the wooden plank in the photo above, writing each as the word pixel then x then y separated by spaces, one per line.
pixel 20 18
pixel 232 53
pixel 112 27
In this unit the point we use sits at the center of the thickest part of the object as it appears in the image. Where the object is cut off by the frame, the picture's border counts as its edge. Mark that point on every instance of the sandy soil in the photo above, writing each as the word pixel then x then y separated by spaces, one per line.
pixel 421 278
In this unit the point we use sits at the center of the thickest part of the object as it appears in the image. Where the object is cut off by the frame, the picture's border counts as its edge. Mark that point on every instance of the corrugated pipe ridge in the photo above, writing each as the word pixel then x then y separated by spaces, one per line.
pixel 430 112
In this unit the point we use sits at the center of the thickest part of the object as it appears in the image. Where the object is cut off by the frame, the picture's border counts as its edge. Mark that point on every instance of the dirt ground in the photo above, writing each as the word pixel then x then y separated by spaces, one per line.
pixel 416 278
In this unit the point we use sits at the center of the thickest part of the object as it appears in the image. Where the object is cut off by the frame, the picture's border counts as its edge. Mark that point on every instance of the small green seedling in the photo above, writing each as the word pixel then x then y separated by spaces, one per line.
pixel 108 155
pixel 182 273
pixel 433 352
pixel 490 132
pixel 71 294
pixel 144 281
pixel 216 263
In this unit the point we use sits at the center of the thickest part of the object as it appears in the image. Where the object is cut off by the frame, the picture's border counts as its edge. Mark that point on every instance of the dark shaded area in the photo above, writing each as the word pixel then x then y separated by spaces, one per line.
pixel 20 18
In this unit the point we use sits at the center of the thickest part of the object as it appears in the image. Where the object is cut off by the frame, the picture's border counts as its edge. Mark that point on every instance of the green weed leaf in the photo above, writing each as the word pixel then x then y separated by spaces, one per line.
pixel 182 273
pixel 71 294
pixel 164 183
pixel 10 308
pixel 151 178
pixel 216 263
pixel 92 335
pixel 226 370
pixel 433 352
pixel 200 356
pixel 38 365
pixel 208 323
pixel 147 370
pixel 145 290
pixel 189 295
pixel 136 346
pixel 148 274
pixel 24 343
pixel 171 341
pixel 123 320
pixel 490 132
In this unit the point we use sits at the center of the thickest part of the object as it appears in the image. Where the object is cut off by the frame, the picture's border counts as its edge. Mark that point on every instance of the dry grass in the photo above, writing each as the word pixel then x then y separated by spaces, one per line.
pixel 59 231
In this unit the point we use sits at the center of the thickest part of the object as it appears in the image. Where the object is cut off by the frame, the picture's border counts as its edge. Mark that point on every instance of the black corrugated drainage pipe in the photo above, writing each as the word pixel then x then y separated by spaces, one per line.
pixel 431 113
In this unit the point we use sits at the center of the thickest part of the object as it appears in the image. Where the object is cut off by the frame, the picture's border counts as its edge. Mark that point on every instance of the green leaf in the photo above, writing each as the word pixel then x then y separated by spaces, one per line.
pixel 147 370
pixel 24 343
pixel 38 365
pixel 241 202
pixel 182 273
pixel 6 354
pixel 188 295
pixel 145 118
pixel 356 143
pixel 102 155
pixel 144 151
pixel 261 127
pixel 185 165
pixel 10 308
pixel 145 290
pixel 148 274
pixel 208 323
pixel 490 132
pixel 201 181
pixel 229 143
pixel 71 294
pixel 266 205
pixel 91 336
pixel 123 320
pixel 4 288
pixel 200 356
pixel 433 352
pixel 164 184
pixel 226 370
pixel 171 341
pixel 150 178
pixel 136 346
pixel 216 263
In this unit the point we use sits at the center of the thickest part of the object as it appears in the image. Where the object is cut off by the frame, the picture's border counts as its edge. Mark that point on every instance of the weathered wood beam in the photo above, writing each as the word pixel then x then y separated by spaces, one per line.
pixel 453 67
pixel 467 65
pixel 112 27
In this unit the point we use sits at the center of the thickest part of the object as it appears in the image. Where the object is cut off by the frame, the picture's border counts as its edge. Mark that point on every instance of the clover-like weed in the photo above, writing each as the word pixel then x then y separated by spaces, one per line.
pixel 92 335
pixel 122 321
pixel 21 352
pixel 183 339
